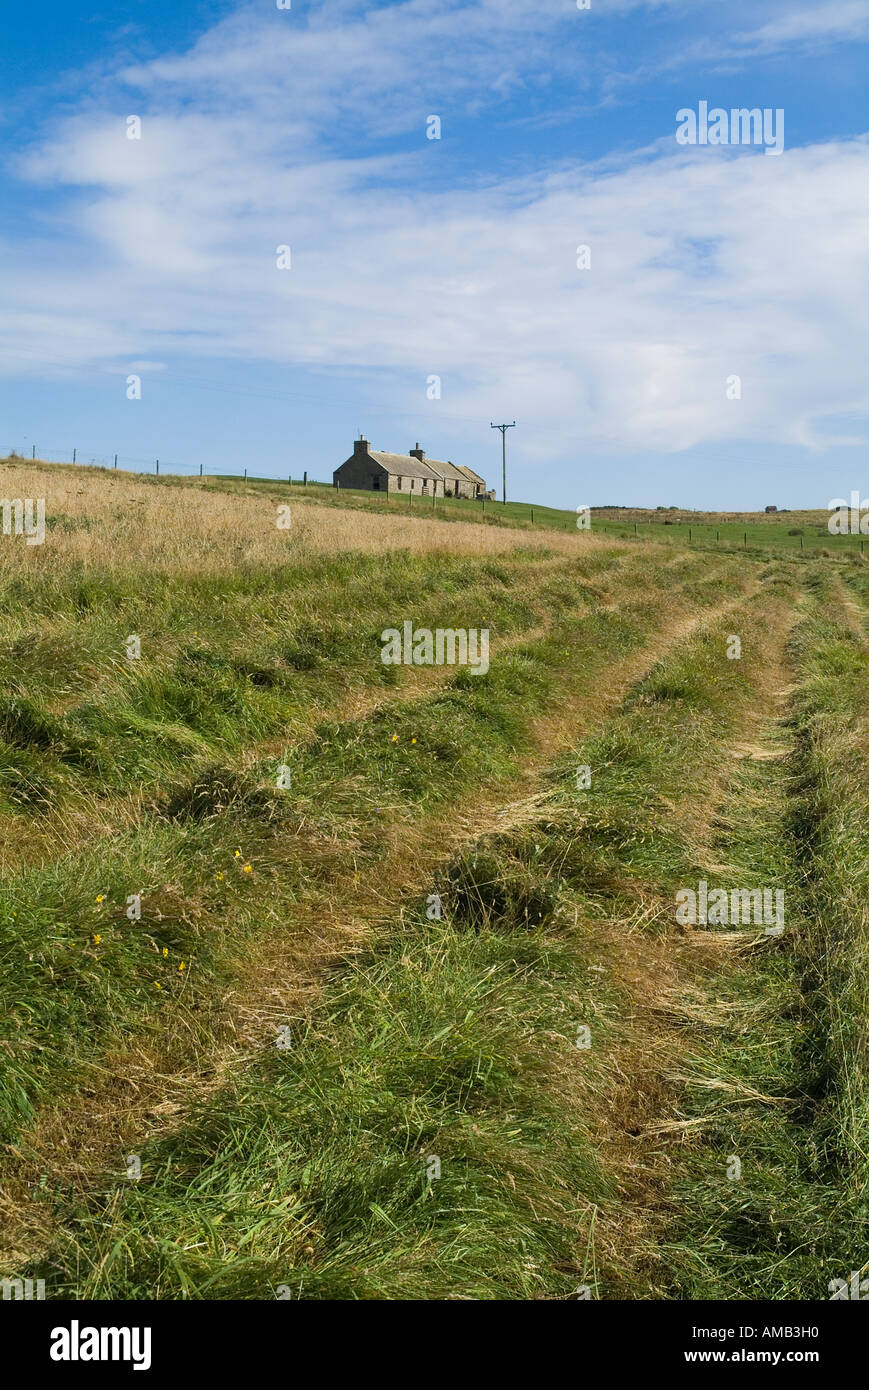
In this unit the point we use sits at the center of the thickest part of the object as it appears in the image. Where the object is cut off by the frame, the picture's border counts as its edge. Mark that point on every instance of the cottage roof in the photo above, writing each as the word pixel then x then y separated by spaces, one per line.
pixel 447 470
pixel 404 466
pixel 470 475
pixel 408 466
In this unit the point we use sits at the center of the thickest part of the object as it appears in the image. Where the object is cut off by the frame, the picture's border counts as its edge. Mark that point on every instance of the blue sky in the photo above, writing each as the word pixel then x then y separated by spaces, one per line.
pixel 453 258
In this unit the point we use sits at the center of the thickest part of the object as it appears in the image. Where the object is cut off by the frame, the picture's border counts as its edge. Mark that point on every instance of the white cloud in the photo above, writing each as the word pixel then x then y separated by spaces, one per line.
pixel 140 366
pixel 835 22
pixel 705 263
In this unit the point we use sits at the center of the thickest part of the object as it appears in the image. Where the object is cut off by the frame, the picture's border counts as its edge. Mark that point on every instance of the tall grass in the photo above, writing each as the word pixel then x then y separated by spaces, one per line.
pixel 452 1039
pixel 336 1092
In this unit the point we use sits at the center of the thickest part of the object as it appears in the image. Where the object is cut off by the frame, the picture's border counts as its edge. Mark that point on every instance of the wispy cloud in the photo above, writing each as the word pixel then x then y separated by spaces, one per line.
pixel 704 263
pixel 809 24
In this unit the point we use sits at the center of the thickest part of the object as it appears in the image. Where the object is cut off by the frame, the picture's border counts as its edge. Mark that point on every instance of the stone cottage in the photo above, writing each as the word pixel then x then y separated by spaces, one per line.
pixel 374 471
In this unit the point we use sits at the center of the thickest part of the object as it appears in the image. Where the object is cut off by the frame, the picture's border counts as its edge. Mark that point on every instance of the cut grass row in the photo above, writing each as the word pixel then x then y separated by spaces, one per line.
pixel 452 1040
pixel 224 857
pixel 227 663
pixel 455 1040
pixel 779 1077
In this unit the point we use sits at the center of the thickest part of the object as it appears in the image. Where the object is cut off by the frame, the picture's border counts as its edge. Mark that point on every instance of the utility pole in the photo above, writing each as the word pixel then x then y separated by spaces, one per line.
pixel 504 429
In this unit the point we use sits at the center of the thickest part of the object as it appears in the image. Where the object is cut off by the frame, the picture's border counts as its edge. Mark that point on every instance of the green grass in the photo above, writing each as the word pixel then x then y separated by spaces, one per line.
pixel 311 1167
pixel 196 823
pixel 452 1040
pixel 790 1016
pixel 788 532
pixel 316 1169
pixel 230 661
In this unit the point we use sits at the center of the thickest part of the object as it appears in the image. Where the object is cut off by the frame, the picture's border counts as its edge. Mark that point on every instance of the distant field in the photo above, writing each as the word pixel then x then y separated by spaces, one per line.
pixel 340 977
pixel 781 531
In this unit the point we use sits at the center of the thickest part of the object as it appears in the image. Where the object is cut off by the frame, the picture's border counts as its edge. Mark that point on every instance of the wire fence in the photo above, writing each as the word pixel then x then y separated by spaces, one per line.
pixel 131 463
pixel 709 534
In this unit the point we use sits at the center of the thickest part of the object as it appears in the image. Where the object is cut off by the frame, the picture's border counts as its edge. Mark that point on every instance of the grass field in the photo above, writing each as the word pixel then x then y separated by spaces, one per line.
pixel 789 531
pixel 329 979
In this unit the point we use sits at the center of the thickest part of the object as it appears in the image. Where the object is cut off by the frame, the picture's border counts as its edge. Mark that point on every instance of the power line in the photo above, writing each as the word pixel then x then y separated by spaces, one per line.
pixel 504 429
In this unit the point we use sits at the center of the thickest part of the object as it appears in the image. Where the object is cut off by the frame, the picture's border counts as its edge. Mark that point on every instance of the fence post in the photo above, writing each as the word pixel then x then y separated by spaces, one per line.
pixel 73 455
pixel 689 535
pixel 157 469
pixel 305 478
pixel 200 470
pixel 33 452
pixel 116 460
pixel 245 475
pixel 532 516
pixel 744 539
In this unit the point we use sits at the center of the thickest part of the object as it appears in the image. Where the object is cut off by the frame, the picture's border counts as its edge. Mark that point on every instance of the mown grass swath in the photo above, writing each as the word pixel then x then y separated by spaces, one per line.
pixel 212 850
pixel 433 1129
pixel 453 1039
pixel 788 1054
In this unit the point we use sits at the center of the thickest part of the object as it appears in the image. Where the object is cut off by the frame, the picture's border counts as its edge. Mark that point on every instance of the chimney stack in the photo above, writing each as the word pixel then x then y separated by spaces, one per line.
pixel 360 445
pixel 418 453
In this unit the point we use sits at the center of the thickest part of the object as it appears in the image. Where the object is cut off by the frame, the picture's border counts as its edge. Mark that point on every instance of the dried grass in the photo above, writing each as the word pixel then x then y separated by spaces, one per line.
pixel 108 522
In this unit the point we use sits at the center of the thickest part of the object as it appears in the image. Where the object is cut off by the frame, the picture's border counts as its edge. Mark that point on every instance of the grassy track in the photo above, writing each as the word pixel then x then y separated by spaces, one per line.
pixel 779 1077
pixel 334 1092
pixel 458 962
